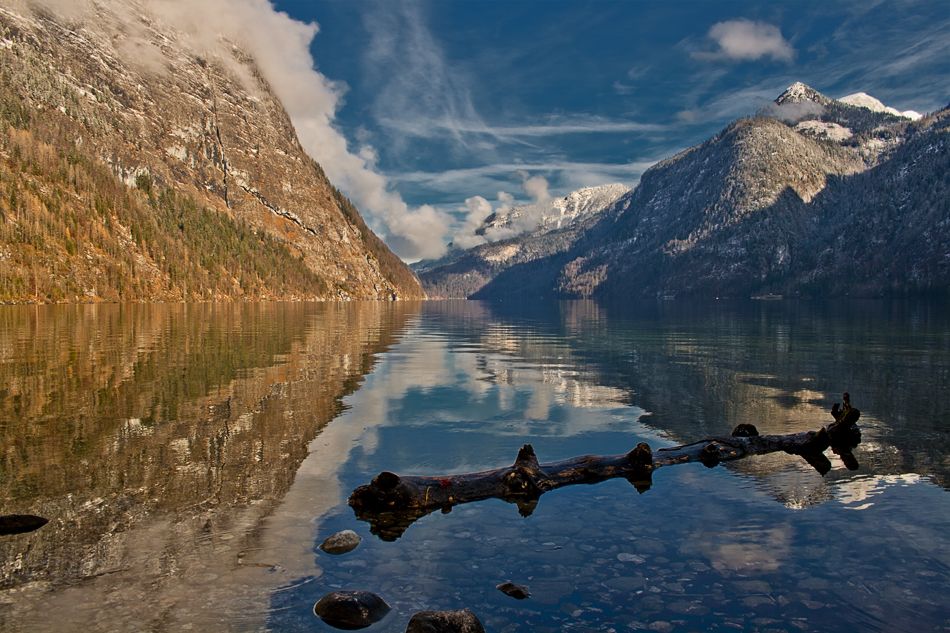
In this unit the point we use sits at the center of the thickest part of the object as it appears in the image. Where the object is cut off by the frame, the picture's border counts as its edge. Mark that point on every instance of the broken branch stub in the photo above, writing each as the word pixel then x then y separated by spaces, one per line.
pixel 391 503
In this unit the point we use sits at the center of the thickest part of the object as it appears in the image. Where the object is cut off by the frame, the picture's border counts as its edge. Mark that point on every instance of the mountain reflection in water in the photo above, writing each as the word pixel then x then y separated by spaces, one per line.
pixel 190 459
pixel 158 439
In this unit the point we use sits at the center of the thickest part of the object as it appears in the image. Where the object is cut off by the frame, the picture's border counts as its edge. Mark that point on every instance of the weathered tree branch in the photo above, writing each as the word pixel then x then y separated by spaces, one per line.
pixel 391 503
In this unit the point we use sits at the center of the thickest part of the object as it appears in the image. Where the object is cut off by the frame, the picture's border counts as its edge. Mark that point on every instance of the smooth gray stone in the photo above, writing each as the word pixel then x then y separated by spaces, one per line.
pixel 341 542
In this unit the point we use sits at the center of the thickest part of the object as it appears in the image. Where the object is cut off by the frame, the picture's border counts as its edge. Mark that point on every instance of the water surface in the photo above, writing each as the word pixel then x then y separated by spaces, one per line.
pixel 191 459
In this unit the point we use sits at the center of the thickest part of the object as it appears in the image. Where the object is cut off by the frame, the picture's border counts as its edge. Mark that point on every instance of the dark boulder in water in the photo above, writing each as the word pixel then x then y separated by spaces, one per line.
pixel 461 621
pixel 351 609
pixel 515 591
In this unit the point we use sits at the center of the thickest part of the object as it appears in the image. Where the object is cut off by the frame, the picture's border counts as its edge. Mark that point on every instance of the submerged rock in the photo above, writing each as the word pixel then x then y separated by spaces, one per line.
pixel 517 592
pixel 351 609
pixel 341 542
pixel 462 621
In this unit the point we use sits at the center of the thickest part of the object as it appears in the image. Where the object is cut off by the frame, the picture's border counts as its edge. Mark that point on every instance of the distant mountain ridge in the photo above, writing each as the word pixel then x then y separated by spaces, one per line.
pixel 173 175
pixel 814 196
pixel 542 217
pixel 516 236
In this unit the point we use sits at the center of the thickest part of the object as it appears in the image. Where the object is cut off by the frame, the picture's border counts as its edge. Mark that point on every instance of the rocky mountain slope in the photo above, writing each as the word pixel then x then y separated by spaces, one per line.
pixel 544 217
pixel 135 167
pixel 813 196
pixel 516 237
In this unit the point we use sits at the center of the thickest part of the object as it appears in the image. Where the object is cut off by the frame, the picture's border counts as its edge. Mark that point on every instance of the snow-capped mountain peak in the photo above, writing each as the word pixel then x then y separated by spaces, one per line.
pixel 554 214
pixel 799 92
pixel 864 100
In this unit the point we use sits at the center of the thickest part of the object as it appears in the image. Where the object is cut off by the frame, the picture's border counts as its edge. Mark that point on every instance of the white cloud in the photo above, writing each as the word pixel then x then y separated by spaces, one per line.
pixel 424 95
pixel 369 154
pixel 554 126
pixel 477 210
pixel 745 40
pixel 280 46
pixel 527 216
pixel 568 175
pixel 536 187
pixel 621 88
pixel 426 91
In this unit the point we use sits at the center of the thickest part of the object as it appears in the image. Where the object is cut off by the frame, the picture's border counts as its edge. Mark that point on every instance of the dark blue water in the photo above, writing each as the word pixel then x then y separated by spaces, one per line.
pixel 192 458
pixel 767 544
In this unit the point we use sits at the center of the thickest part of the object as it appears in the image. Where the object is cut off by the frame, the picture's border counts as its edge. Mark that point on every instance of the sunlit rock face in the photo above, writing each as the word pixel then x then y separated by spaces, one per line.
pixel 115 87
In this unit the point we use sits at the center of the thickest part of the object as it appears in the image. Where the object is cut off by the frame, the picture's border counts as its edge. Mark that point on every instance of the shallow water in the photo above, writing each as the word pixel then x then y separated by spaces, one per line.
pixel 191 458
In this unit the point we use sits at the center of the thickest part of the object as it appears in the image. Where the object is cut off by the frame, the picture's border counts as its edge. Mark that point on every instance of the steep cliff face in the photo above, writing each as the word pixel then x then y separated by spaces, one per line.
pixel 815 196
pixel 208 130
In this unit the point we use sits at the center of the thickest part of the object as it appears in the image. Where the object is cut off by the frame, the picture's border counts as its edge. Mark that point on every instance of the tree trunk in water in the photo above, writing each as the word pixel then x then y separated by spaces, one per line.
pixel 391 503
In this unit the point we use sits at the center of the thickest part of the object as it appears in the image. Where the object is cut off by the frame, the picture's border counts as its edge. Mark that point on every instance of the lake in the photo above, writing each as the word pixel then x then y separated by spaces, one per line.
pixel 191 458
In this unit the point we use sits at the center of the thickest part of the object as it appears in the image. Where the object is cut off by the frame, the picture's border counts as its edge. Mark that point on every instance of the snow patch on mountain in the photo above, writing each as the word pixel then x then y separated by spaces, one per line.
pixel 799 92
pixel 824 130
pixel 864 100
pixel 542 217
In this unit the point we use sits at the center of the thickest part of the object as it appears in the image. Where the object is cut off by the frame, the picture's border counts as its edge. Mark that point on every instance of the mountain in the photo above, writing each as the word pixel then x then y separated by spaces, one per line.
pixel 886 230
pixel 864 100
pixel 802 93
pixel 544 217
pixel 135 165
pixel 812 196
pixel 517 236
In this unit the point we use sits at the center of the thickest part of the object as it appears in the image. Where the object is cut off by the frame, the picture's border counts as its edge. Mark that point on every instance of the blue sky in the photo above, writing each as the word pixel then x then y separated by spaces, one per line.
pixel 451 100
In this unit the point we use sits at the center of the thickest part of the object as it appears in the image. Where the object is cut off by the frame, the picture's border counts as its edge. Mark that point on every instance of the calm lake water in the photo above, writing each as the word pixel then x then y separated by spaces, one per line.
pixel 192 458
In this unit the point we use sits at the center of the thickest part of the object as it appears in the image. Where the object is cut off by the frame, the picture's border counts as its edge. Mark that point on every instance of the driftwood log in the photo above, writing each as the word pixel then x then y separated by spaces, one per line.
pixel 391 503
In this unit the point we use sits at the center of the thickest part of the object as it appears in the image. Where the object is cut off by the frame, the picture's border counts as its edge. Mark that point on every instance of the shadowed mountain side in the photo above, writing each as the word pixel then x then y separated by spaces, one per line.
pixel 531 280
pixel 887 229
pixel 161 438
pixel 879 231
